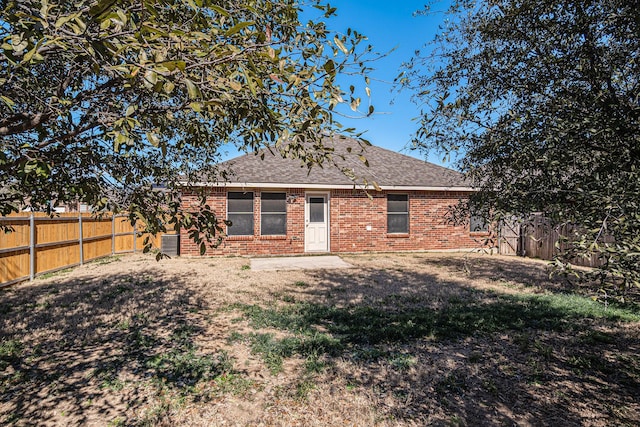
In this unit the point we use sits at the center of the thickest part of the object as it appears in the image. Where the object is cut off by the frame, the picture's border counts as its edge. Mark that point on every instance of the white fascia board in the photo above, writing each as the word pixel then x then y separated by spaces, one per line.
pixel 418 188
pixel 327 186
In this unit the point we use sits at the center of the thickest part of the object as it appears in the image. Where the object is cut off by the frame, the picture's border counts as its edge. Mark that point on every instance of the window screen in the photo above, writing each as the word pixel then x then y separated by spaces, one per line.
pixel 397 213
pixel 273 211
pixel 477 223
pixel 240 213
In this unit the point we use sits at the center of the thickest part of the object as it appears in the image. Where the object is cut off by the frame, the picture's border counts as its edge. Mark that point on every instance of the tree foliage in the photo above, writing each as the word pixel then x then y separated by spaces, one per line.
pixel 101 100
pixel 542 98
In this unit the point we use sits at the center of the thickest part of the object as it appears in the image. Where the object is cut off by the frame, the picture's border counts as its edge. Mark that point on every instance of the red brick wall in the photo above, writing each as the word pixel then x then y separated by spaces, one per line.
pixel 351 213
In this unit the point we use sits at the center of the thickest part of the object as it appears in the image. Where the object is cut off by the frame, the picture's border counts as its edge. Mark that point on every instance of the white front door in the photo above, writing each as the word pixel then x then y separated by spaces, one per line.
pixel 316 235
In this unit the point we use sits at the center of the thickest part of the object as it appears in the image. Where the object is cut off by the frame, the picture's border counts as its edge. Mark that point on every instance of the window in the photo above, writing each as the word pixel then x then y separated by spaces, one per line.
pixel 397 213
pixel 477 224
pixel 273 211
pixel 316 209
pixel 240 213
pixel 478 220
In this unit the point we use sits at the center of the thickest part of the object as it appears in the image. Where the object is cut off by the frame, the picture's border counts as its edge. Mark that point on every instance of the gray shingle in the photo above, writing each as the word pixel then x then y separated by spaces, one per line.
pixel 387 168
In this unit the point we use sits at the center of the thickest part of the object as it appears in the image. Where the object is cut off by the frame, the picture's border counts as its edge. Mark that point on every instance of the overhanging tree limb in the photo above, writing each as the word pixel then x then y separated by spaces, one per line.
pixel 541 98
pixel 99 97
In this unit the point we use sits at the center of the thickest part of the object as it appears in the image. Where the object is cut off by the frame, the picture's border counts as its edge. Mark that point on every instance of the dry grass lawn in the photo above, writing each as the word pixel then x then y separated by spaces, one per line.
pixel 398 340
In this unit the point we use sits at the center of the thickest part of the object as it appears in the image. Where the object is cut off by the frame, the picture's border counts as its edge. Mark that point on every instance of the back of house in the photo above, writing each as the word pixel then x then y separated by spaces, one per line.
pixel 277 206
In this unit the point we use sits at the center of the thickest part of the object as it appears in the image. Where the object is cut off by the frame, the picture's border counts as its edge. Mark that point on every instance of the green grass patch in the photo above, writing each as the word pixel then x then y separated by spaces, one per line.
pixel 271 350
pixel 112 383
pixel 55 273
pixel 310 346
pixel 107 376
pixel 453 382
pixel 303 388
pixel 597 337
pixel 116 291
pixel 234 384
pixel 106 260
pixel 363 328
pixel 10 352
pixel 186 368
pixel 234 336
pixel 116 422
pixel 314 364
pixel 402 362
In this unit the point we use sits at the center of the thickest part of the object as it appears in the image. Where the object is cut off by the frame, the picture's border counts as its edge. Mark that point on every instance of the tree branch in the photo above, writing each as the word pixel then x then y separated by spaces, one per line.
pixel 22 122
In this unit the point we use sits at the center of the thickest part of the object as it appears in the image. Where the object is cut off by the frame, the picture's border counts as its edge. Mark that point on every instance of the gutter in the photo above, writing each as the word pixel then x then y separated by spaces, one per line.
pixel 327 186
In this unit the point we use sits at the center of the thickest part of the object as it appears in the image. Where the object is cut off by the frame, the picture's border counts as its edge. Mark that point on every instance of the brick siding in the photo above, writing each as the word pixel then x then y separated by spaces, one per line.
pixel 351 214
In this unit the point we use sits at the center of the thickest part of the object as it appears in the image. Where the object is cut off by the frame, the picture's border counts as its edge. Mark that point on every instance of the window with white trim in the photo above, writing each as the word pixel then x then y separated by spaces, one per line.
pixel 273 214
pixel 240 213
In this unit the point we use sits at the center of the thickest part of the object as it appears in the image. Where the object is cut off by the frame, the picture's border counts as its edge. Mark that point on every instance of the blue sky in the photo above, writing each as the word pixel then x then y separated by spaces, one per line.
pixel 390 25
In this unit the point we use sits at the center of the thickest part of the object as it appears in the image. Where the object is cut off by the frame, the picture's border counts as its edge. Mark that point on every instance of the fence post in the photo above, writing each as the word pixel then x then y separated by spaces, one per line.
pixel 113 234
pixel 81 245
pixel 135 233
pixel 32 247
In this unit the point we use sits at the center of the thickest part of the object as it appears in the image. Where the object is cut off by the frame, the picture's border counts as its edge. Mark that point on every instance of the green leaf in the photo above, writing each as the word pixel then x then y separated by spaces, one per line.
pixel 196 106
pixel 329 67
pixel 101 8
pixel 192 89
pixel 168 87
pixel 250 83
pixel 27 56
pixel 8 101
pixel 238 27
pixel 173 65
pixel 64 19
pixel 220 10
pixel 150 78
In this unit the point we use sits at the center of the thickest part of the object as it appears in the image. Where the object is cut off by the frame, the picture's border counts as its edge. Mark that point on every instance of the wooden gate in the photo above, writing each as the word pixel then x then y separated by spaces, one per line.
pixel 509 237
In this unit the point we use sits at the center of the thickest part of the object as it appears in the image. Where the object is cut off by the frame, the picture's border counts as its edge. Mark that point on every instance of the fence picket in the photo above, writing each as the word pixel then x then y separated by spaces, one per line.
pixel 41 244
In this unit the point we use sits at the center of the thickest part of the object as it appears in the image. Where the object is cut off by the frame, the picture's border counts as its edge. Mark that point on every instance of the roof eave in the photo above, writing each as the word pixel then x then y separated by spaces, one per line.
pixel 329 186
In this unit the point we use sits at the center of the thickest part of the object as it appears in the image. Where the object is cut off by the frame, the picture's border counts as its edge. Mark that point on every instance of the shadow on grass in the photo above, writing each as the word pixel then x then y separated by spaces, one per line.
pixel 394 306
pixel 363 324
pixel 508 271
pixel 493 347
pixel 88 350
pixel 539 276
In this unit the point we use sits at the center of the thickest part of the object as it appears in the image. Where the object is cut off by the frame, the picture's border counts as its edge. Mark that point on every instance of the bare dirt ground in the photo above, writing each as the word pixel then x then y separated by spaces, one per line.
pixel 398 340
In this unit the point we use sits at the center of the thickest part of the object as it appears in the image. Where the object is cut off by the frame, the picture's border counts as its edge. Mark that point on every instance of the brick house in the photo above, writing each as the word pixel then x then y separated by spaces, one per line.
pixel 278 207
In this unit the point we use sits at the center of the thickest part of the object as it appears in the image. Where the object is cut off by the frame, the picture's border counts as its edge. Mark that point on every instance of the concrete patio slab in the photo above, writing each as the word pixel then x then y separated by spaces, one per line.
pixel 299 263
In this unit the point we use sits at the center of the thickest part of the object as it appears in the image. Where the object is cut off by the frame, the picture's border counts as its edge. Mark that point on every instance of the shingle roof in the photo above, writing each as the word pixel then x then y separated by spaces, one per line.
pixel 388 169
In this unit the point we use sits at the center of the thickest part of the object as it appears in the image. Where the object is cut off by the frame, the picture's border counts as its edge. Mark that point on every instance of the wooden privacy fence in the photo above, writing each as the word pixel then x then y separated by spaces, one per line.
pixel 539 241
pixel 537 238
pixel 39 244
